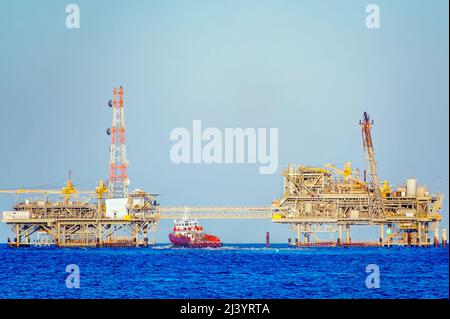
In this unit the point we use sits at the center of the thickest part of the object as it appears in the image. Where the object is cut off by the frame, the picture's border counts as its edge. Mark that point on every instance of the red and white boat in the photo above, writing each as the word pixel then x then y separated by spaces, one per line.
pixel 188 233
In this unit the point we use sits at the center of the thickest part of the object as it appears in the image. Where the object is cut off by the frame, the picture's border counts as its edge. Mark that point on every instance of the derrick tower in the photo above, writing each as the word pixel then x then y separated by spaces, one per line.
pixel 118 176
pixel 376 202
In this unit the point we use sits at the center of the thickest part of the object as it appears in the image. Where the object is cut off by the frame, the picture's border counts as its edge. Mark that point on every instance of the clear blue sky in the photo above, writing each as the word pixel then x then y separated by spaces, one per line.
pixel 309 68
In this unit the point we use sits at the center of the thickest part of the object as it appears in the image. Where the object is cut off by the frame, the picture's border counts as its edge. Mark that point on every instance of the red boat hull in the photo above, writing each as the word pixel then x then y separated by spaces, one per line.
pixel 203 242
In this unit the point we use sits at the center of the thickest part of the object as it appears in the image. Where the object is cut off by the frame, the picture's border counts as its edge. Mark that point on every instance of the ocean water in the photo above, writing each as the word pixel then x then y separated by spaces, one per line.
pixel 234 271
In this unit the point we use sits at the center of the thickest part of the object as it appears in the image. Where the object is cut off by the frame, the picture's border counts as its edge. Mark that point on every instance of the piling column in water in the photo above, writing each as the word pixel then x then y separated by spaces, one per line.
pixel 27 236
pixel 58 234
pixel 99 234
pixel 436 234
pixel 347 234
pixel 381 234
pixel 17 236
pixel 339 240
pixel 145 235
pixel 63 234
pixel 267 239
pixel 389 232
pixel 419 234
pixel 306 239
pixel 444 237
pixel 136 235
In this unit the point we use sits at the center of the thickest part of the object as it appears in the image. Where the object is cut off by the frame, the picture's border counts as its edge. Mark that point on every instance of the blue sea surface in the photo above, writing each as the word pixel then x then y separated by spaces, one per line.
pixel 233 271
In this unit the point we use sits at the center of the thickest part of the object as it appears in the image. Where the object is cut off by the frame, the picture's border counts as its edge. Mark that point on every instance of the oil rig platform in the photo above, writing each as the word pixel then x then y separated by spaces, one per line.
pixel 317 201
pixel 314 200
pixel 329 200
pixel 109 216
pixel 77 222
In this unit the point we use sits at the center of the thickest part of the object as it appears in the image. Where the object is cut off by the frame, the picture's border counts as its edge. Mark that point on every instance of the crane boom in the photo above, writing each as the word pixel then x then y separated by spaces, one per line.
pixel 68 190
pixel 39 191
pixel 376 203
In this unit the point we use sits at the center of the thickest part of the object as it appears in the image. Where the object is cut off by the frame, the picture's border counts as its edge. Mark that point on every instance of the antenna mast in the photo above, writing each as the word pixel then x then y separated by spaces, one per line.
pixel 118 176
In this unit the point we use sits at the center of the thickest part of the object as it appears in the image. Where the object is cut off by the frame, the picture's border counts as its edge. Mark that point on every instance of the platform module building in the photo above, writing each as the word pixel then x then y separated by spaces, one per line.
pixel 83 221
pixel 317 200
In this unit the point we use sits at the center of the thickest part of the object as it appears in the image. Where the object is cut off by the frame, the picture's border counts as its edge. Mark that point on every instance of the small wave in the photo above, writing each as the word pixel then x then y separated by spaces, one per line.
pixel 270 249
pixel 162 247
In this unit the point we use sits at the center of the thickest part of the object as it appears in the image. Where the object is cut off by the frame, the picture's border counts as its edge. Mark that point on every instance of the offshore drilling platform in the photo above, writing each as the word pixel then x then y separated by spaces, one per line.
pixel 315 200
pixel 117 219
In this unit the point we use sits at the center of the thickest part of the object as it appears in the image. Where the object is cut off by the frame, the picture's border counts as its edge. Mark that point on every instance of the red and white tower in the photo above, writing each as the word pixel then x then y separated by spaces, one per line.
pixel 118 176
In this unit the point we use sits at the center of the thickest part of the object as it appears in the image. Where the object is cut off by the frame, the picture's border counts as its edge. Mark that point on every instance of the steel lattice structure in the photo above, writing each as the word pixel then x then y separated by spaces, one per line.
pixel 118 176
